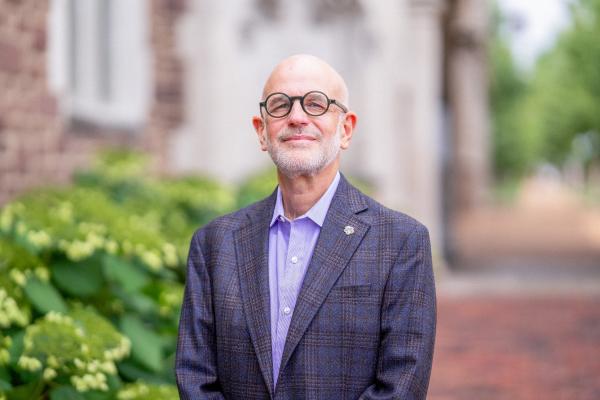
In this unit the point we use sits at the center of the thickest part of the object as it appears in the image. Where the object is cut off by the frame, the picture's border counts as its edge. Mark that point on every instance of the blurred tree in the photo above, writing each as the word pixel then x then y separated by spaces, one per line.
pixel 562 107
pixel 512 151
pixel 553 115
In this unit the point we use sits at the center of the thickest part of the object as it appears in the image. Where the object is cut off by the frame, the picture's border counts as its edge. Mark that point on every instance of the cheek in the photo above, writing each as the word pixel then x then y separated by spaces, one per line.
pixel 272 131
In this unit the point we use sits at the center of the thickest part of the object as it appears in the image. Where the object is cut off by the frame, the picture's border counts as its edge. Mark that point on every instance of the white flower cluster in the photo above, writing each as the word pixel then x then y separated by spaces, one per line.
pixel 169 300
pixel 29 363
pixel 21 228
pixel 7 215
pixel 86 365
pixel 94 238
pixel 134 391
pixel 111 246
pixel 39 239
pixel 119 352
pixel 20 277
pixel 140 390
pixel 59 318
pixel 49 374
pixel 5 343
pixel 89 382
pixel 170 254
pixel 64 211
pixel 152 260
pixel 91 227
pixel 10 312
pixel 156 259
pixel 77 250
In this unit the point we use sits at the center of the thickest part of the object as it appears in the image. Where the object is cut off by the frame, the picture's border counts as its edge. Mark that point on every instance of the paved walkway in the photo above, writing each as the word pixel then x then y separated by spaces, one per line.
pixel 521 318
pixel 511 344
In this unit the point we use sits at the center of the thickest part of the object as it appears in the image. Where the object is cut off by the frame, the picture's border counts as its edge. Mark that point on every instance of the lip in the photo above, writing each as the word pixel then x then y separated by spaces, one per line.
pixel 300 138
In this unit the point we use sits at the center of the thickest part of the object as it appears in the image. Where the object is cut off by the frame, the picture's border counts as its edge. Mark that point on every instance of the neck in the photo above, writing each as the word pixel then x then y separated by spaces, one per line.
pixel 300 193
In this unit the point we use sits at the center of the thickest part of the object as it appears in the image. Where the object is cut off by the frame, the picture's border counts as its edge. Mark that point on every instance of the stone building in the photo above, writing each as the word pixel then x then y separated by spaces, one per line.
pixel 180 79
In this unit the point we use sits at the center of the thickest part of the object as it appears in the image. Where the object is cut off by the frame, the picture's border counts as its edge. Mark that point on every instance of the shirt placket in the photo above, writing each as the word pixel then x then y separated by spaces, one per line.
pixel 289 282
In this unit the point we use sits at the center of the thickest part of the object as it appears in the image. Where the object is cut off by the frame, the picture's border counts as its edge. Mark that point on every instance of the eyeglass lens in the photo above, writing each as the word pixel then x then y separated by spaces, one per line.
pixel 313 103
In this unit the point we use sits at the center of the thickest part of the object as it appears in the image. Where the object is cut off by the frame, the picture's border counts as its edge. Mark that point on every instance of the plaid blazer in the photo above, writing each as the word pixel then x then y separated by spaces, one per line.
pixel 364 322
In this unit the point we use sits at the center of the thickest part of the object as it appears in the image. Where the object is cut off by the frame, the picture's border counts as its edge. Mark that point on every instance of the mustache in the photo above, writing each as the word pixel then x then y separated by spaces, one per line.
pixel 287 133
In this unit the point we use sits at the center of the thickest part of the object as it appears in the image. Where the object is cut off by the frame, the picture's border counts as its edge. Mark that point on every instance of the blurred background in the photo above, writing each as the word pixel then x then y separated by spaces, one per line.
pixel 125 125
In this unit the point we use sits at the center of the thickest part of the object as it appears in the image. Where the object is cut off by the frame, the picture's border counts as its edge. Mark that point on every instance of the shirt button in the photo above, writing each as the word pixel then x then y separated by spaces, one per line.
pixel 287 310
pixel 294 260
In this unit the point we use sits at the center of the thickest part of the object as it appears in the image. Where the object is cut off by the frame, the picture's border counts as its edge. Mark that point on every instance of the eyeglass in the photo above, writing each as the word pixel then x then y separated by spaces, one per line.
pixel 314 103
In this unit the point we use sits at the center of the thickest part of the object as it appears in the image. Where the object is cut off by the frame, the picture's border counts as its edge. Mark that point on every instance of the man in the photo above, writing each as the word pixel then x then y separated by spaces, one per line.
pixel 316 292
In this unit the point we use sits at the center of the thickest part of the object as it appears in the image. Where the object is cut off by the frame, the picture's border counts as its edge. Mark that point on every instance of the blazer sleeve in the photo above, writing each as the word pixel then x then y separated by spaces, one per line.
pixel 408 322
pixel 195 360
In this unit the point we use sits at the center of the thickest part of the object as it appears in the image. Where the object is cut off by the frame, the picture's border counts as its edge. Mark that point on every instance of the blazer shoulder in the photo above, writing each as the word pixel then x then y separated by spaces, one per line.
pixel 231 222
pixel 382 215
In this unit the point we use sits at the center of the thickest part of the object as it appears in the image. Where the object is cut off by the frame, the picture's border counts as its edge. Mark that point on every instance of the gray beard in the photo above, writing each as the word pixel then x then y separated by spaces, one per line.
pixel 292 165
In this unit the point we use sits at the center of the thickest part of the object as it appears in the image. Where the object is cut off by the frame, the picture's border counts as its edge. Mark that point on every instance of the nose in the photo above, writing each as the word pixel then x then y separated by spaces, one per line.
pixel 297 116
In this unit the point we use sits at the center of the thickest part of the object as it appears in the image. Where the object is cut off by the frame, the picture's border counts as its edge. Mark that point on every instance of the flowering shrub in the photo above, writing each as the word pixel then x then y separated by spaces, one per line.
pixel 91 281
pixel 143 391
pixel 84 360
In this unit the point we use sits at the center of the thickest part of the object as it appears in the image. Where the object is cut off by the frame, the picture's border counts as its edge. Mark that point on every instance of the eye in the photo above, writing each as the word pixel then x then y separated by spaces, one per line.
pixel 315 103
pixel 278 105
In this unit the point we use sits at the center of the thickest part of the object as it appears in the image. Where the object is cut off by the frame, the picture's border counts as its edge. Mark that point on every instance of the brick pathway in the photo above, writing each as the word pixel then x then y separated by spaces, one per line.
pixel 515 347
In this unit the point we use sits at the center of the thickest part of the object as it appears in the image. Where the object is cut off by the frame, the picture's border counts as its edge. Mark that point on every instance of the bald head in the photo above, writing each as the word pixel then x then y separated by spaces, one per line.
pixel 303 72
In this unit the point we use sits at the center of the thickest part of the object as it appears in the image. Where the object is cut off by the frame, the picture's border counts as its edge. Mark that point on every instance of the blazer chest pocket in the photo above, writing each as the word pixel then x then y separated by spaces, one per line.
pixel 351 292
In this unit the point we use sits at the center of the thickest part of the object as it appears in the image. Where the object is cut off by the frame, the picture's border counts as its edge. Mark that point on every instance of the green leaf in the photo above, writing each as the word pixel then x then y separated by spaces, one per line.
pixel 132 371
pixel 114 382
pixel 65 393
pixel 98 395
pixel 16 348
pixel 140 303
pixel 145 344
pixel 82 279
pixel 44 297
pixel 127 275
pixel 31 390
pixel 4 380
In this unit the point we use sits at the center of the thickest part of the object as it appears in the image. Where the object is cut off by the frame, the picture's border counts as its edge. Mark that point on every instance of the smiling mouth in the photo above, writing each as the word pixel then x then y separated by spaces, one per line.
pixel 299 138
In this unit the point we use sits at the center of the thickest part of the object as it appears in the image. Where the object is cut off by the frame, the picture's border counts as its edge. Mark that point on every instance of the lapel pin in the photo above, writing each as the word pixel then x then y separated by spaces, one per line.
pixel 348 230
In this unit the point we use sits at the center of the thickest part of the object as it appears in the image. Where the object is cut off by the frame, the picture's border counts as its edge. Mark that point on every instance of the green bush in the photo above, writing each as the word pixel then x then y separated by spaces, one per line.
pixel 257 187
pixel 91 281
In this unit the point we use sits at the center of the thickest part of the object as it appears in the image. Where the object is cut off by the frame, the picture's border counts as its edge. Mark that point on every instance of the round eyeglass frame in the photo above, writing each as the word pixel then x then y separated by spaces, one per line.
pixel 263 104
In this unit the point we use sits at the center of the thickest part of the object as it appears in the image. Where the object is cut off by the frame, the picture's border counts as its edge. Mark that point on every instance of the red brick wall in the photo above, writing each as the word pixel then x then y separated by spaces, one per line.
pixel 38 145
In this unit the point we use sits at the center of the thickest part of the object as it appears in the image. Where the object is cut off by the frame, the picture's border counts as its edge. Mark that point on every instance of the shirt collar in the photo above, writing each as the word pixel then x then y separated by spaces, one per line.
pixel 317 212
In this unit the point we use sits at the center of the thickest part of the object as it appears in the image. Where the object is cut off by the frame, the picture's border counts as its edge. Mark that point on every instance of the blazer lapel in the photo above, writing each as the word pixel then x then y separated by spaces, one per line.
pixel 251 244
pixel 340 236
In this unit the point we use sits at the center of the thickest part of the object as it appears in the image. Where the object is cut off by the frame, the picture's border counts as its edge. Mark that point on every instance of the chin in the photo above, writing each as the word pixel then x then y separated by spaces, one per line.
pixel 293 167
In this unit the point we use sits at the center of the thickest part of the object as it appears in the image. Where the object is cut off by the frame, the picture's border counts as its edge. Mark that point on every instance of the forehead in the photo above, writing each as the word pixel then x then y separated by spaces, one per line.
pixel 296 80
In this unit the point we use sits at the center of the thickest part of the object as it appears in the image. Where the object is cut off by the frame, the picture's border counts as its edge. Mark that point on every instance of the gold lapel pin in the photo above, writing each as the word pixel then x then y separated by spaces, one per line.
pixel 348 230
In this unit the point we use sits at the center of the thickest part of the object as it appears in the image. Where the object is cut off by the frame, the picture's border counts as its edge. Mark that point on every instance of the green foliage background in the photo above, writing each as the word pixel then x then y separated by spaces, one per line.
pixel 551 114
pixel 91 280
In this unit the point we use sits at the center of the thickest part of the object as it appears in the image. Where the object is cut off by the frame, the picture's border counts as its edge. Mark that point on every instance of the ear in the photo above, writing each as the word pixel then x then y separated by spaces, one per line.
pixel 260 128
pixel 349 123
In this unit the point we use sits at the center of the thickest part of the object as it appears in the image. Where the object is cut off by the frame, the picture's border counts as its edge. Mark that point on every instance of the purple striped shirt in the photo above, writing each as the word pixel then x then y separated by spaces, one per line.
pixel 291 244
